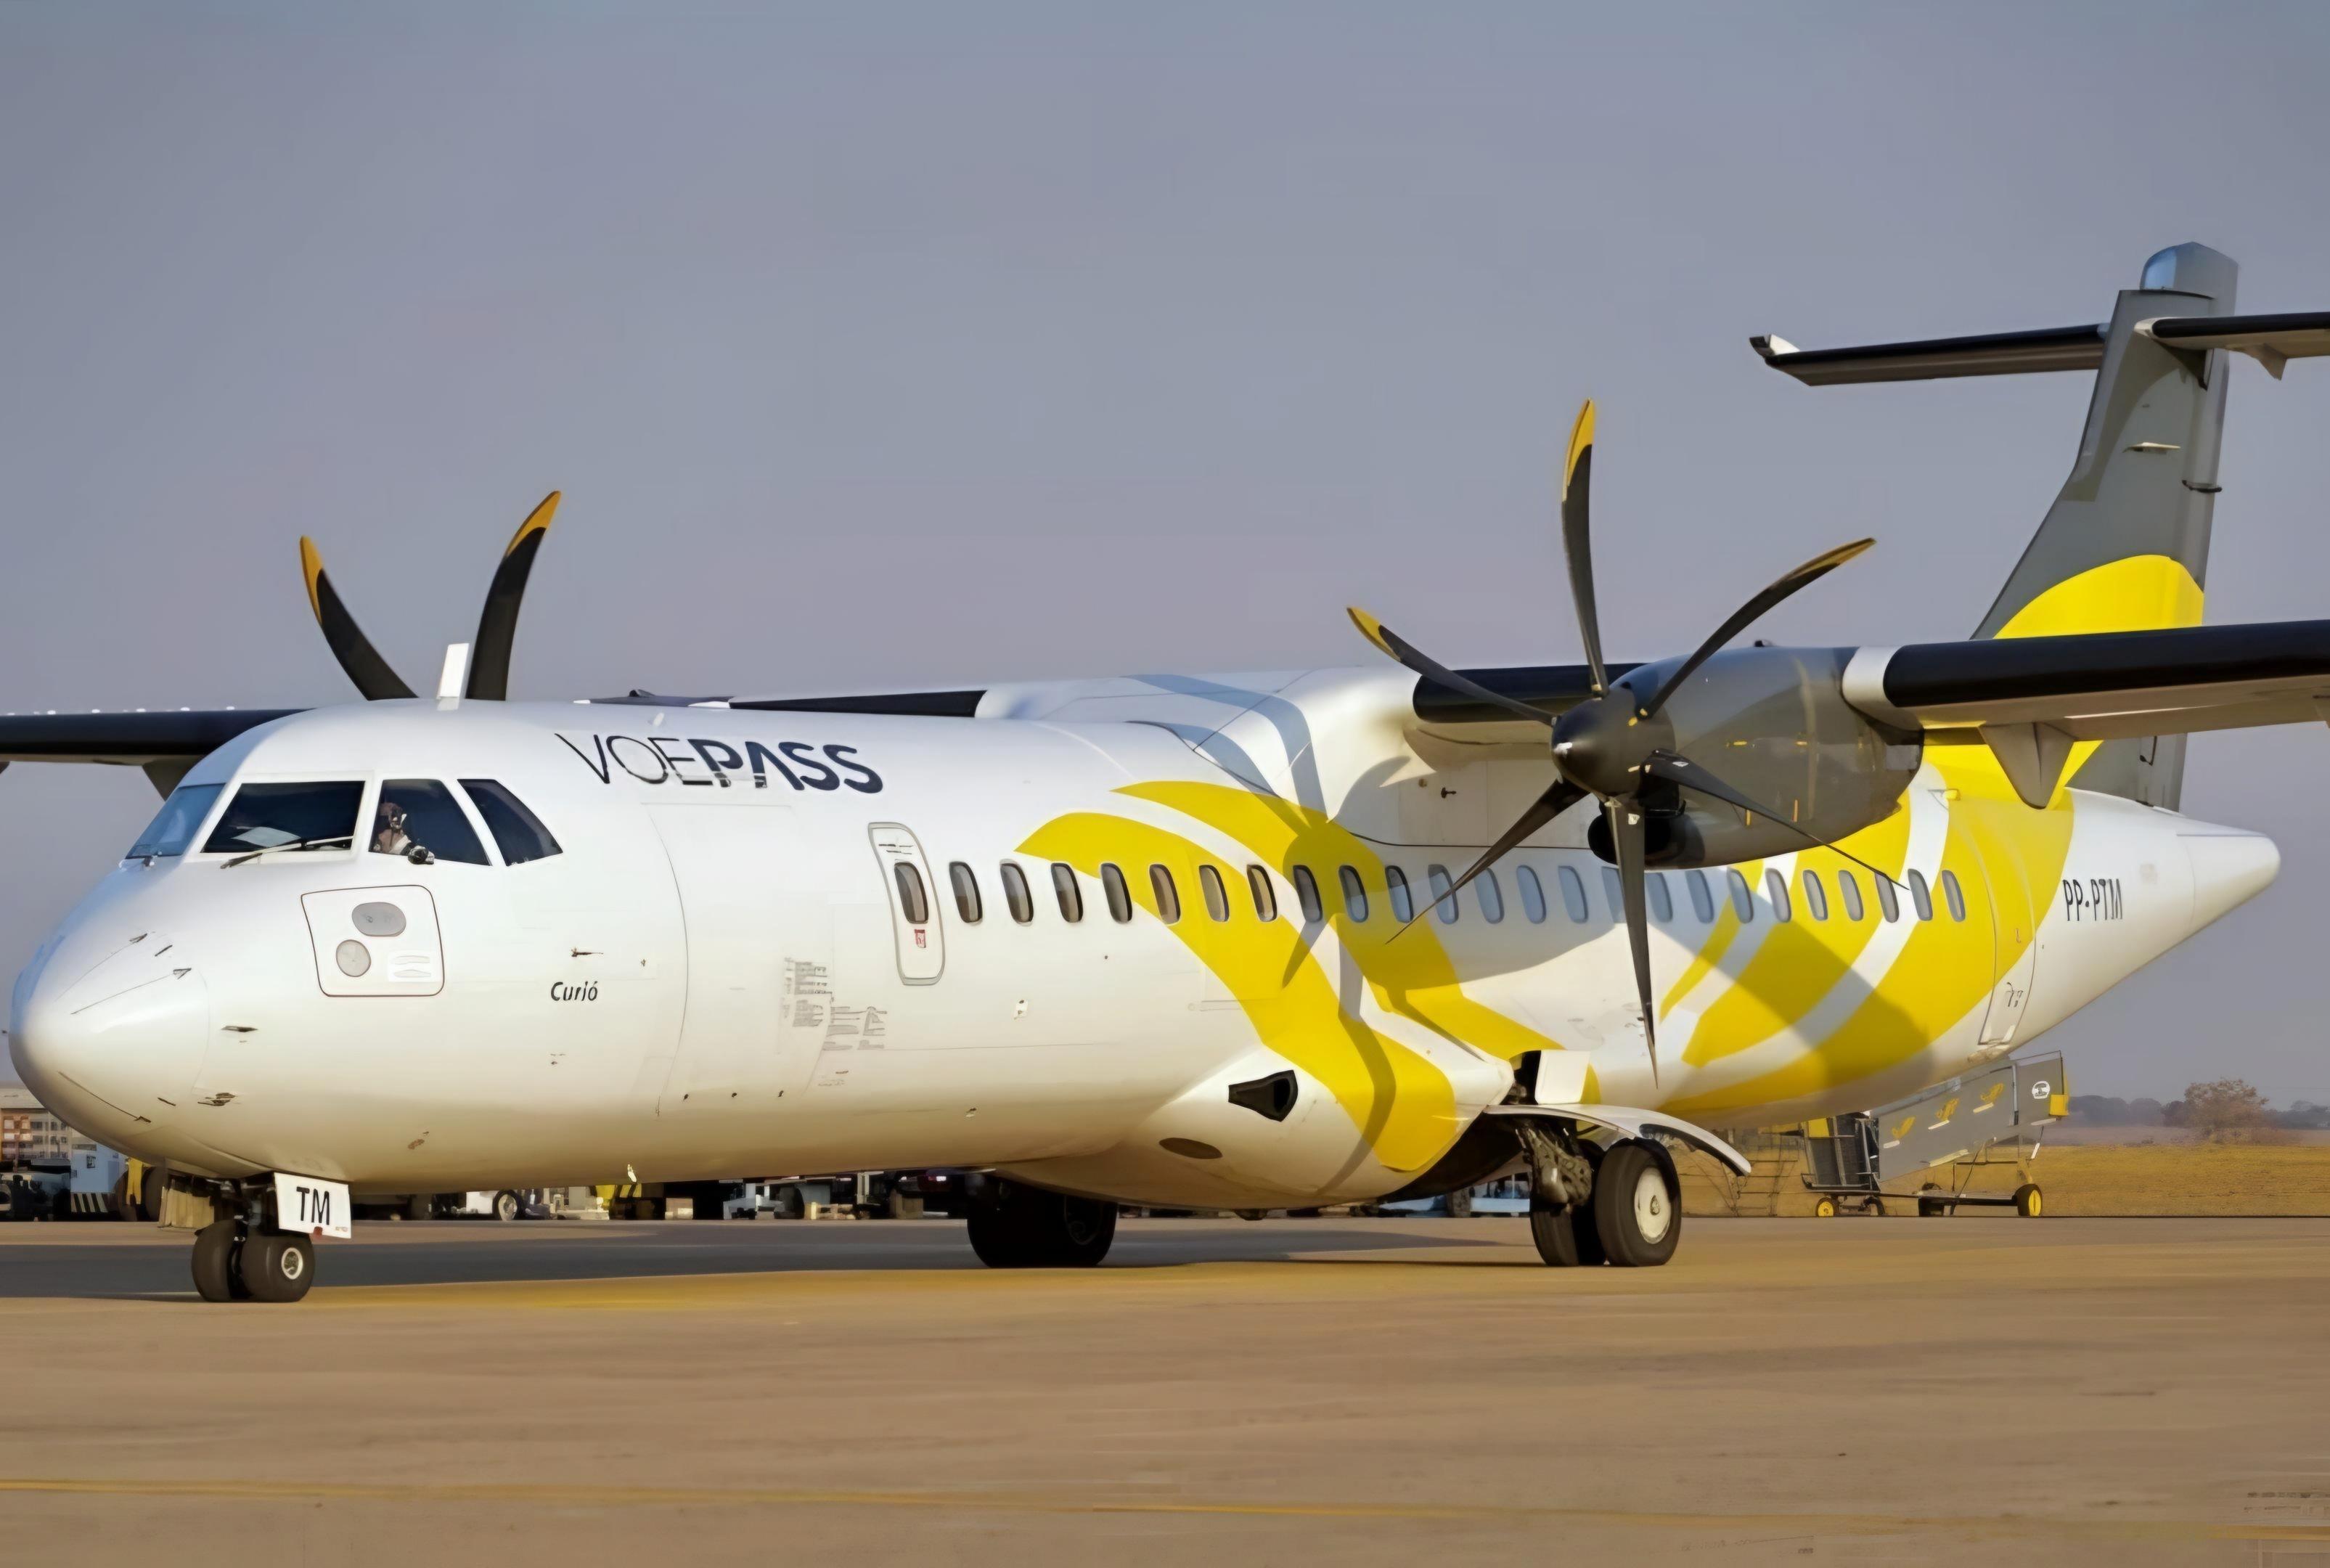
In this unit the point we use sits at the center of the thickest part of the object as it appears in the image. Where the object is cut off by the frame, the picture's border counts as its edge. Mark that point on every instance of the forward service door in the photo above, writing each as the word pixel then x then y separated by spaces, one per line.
pixel 913 903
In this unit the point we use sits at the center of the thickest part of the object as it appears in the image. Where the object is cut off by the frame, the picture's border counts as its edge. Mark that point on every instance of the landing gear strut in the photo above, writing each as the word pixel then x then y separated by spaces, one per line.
pixel 1014 1226
pixel 1588 1205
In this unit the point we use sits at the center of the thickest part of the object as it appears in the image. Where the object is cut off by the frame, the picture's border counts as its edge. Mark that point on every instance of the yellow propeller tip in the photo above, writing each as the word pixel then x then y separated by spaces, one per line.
pixel 1581 439
pixel 311 567
pixel 1370 627
pixel 537 521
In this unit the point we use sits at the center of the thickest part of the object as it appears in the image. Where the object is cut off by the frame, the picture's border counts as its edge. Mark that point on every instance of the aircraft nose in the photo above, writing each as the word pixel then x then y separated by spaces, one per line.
pixel 108 1046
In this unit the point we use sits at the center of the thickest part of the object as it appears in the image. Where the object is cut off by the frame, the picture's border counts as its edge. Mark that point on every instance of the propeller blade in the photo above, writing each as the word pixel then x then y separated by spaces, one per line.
pixel 1431 669
pixel 372 677
pixel 1689 775
pixel 1811 572
pixel 1577 546
pixel 489 655
pixel 1626 837
pixel 1559 797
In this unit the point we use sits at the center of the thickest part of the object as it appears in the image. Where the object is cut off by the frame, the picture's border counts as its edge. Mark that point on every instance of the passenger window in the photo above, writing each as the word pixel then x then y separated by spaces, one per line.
pixel 266 816
pixel 421 813
pixel 1573 894
pixel 1016 896
pixel 1218 898
pixel 1815 896
pixel 1169 897
pixel 1443 901
pixel 1532 895
pixel 1661 901
pixel 1403 903
pixel 1848 887
pixel 966 893
pixel 1702 896
pixel 173 828
pixel 1306 893
pixel 1775 887
pixel 1743 902
pixel 1950 892
pixel 1113 889
pixel 1492 897
pixel 1070 896
pixel 912 899
pixel 1355 893
pixel 1614 893
pixel 518 833
pixel 1265 897
pixel 1886 900
pixel 1921 896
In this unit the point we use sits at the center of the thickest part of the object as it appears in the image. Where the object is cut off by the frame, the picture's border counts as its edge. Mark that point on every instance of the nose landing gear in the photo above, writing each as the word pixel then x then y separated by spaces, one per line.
pixel 233 1262
pixel 241 1254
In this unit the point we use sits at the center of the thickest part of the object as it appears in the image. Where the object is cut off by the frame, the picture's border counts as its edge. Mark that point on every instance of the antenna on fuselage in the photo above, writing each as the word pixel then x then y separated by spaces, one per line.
pixel 456 673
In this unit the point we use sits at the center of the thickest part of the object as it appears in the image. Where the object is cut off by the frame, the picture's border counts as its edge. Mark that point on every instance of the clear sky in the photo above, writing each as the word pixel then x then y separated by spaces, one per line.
pixel 891 345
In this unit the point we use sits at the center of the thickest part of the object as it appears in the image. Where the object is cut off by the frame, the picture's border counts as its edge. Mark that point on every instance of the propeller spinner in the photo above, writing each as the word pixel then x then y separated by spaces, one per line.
pixel 489 659
pixel 1613 747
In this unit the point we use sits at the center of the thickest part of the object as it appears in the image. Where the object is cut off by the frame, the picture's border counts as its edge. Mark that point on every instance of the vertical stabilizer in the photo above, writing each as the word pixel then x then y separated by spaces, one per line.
pixel 2125 546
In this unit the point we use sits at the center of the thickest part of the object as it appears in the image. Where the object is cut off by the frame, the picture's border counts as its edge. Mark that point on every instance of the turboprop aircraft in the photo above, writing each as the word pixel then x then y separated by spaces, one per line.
pixel 1239 942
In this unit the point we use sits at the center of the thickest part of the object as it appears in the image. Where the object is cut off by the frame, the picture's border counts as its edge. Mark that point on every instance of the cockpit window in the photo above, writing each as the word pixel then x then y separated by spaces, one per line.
pixel 420 813
pixel 267 816
pixel 517 830
pixel 173 827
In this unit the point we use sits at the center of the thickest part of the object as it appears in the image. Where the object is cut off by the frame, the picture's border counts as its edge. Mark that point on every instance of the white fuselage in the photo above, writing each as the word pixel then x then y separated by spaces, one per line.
pixel 722 974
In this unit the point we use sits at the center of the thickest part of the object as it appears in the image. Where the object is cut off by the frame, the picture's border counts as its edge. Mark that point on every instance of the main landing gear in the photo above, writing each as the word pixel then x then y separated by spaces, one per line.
pixel 1014 1226
pixel 1622 1205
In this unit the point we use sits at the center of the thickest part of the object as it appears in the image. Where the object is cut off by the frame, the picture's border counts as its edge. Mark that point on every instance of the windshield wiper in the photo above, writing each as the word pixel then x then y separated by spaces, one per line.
pixel 292 844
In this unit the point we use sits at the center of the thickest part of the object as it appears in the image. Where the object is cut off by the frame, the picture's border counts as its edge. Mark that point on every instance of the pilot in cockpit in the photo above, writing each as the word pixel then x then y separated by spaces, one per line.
pixel 389 837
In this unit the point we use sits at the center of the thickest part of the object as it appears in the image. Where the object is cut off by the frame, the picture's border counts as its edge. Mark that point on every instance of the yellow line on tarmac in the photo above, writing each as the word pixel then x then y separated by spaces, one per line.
pixel 585 1496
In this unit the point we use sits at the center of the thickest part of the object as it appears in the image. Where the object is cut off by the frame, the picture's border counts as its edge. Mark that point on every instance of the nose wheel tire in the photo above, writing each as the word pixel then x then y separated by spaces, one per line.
pixel 274 1267
pixel 505 1206
pixel 1637 1208
pixel 1020 1227
pixel 217 1248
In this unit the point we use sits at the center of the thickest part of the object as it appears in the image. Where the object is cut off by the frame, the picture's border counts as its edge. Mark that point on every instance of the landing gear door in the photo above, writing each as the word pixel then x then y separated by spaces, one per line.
pixel 913 903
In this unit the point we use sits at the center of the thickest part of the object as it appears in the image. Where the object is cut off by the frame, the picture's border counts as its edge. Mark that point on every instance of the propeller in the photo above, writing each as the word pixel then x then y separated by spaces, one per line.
pixel 489 654
pixel 1610 746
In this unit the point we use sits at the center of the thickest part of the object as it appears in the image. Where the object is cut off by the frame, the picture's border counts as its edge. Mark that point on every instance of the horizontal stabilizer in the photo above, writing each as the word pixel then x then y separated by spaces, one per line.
pixel 1932 359
pixel 2270 340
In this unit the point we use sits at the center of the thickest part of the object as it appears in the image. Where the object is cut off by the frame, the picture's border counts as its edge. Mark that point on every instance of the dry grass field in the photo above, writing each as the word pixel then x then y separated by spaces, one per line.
pixel 2103 1180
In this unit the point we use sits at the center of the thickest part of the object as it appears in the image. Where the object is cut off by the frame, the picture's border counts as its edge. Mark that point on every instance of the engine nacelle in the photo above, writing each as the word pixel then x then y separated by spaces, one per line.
pixel 1772 724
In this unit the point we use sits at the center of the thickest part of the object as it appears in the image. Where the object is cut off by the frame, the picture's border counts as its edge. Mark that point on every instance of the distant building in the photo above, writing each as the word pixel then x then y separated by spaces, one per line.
pixel 30 1134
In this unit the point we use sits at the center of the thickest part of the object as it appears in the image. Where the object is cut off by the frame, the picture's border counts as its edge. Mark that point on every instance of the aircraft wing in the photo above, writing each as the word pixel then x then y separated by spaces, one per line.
pixel 2031 699
pixel 2103 686
pixel 166 744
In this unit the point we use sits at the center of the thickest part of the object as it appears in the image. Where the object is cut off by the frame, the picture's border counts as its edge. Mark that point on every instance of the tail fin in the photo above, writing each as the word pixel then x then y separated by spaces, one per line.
pixel 2125 546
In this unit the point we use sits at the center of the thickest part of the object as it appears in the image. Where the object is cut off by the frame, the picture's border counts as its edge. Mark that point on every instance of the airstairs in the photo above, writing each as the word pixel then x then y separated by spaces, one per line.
pixel 1928 1149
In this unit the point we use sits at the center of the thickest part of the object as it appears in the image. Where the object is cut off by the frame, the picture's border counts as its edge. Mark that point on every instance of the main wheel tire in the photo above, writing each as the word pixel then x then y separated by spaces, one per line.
pixel 274 1267
pixel 1564 1237
pixel 1637 1208
pixel 1021 1227
pixel 2027 1201
pixel 505 1206
pixel 215 1278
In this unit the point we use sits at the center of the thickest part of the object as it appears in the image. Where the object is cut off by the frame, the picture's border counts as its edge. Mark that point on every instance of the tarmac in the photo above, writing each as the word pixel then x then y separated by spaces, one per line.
pixel 1365 1391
